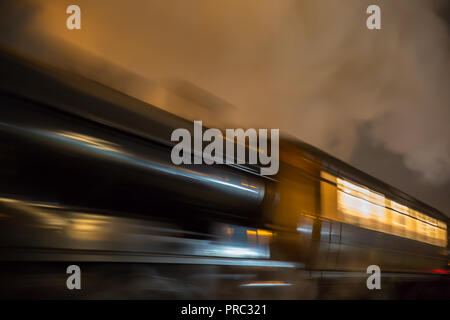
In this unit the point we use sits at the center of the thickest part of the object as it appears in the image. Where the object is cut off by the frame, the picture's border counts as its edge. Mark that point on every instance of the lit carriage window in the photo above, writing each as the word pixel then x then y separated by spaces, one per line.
pixel 360 192
pixel 360 202
pixel 442 225
pixel 368 209
pixel 399 207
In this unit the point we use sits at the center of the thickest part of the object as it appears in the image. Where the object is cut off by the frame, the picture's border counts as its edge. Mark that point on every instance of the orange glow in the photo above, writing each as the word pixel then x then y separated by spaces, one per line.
pixel 361 206
pixel 264 233
pixel 260 236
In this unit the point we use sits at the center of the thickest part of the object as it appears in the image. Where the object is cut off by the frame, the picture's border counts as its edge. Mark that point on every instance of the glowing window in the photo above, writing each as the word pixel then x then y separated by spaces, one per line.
pixel 368 209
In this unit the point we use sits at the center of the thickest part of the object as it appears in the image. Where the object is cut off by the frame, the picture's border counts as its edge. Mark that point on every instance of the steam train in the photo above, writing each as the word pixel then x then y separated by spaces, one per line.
pixel 86 179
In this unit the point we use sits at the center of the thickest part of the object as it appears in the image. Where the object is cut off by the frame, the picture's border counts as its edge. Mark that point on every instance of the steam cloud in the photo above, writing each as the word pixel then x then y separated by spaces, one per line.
pixel 310 68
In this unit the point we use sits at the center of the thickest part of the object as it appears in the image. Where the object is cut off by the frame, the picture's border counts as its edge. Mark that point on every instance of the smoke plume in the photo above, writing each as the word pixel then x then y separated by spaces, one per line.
pixel 310 68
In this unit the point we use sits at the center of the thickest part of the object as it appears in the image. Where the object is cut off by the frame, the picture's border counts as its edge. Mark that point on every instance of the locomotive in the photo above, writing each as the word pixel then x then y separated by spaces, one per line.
pixel 87 179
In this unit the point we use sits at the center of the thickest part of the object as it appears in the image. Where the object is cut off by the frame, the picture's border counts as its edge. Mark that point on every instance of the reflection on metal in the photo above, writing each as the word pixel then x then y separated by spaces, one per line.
pixel 305 229
pixel 149 258
pixel 267 284
pixel 224 185
pixel 88 228
pixel 95 143
pixel 259 236
pixel 249 185
pixel 62 228
pixel 90 141
pixel 231 251
pixel 264 233
pixel 37 212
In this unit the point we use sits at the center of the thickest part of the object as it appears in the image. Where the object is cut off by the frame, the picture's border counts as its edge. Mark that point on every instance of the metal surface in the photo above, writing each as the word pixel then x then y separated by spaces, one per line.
pixel 68 159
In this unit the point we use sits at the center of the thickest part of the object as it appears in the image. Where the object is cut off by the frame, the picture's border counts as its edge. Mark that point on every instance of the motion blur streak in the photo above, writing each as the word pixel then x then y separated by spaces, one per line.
pixel 86 176
pixel 363 207
pixel 266 284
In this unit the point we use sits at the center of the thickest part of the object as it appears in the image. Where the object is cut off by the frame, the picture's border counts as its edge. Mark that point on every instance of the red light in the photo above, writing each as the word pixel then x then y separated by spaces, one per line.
pixel 440 271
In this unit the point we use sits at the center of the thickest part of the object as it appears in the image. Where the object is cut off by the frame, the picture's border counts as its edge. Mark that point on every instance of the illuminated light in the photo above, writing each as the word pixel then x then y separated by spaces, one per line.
pixel 264 233
pixel 259 236
pixel 8 200
pixel 211 178
pixel 304 230
pixel 399 207
pixel 87 229
pixel 442 225
pixel 399 224
pixel 351 204
pixel 95 142
pixel 233 185
pixel 84 226
pixel 440 271
pixel 48 219
pixel 360 192
pixel 42 205
pixel 363 207
pixel 267 284
pixel 327 176
pixel 239 252
pixel 109 150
